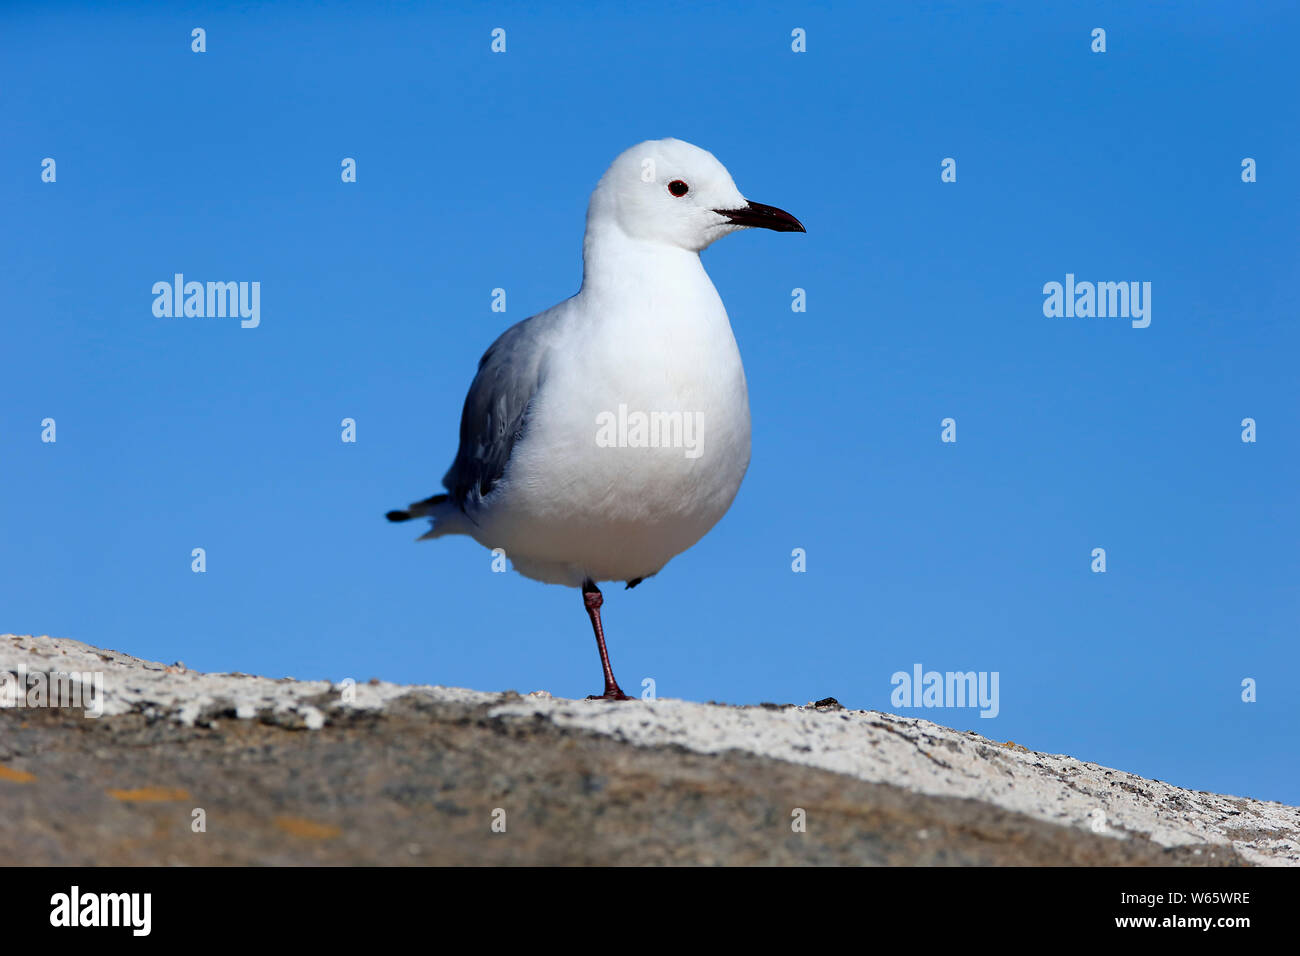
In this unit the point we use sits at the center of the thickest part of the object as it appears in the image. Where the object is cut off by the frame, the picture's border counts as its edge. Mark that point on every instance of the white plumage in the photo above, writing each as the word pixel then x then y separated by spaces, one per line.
pixel 646 335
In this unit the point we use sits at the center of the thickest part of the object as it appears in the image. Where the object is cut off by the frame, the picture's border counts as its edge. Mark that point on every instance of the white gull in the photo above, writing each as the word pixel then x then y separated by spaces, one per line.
pixel 608 434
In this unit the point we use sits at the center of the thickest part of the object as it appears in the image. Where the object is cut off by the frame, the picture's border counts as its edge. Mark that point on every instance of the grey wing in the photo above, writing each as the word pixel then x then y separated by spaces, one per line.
pixel 496 410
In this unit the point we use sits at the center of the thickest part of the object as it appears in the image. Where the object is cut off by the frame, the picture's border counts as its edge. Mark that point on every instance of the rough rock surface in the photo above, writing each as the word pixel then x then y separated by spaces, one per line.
pixel 285 772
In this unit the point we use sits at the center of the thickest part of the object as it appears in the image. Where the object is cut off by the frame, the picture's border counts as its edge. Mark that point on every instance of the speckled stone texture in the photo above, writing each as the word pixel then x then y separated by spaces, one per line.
pixel 290 772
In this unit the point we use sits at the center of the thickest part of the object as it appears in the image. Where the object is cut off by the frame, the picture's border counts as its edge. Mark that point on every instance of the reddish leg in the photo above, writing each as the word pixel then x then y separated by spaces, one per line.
pixel 593 599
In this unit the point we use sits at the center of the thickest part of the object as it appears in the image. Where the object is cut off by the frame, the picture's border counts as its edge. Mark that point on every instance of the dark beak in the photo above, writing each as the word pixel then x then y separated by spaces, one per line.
pixel 764 217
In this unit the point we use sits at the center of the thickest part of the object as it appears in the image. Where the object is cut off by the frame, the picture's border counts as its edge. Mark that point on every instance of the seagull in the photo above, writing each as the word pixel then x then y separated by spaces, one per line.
pixel 606 435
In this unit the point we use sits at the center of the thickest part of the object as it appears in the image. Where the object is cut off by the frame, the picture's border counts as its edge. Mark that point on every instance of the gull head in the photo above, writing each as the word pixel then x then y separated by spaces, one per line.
pixel 668 191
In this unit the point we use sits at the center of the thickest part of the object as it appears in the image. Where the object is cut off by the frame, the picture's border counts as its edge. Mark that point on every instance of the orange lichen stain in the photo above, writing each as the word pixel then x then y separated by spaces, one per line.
pixel 306 828
pixel 151 795
pixel 16 776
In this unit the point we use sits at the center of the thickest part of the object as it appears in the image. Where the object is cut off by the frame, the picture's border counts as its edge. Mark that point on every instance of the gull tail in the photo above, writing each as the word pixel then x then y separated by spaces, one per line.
pixel 439 509
pixel 420 509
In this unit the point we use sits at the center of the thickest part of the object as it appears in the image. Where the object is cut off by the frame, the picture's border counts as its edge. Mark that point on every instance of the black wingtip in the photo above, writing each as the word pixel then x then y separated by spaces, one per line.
pixel 398 516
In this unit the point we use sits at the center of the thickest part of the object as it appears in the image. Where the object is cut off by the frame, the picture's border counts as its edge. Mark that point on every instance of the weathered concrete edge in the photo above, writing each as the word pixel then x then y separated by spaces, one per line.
pixel 876 747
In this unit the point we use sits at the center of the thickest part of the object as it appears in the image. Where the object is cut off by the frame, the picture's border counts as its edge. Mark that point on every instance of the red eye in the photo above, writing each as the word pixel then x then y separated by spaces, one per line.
pixel 678 188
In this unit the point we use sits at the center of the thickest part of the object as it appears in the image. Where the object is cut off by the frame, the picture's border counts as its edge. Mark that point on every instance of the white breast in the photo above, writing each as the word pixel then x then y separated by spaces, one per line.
pixel 637 441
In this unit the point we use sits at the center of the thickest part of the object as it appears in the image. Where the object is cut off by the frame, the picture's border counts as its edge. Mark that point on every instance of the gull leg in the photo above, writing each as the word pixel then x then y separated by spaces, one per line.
pixel 593 599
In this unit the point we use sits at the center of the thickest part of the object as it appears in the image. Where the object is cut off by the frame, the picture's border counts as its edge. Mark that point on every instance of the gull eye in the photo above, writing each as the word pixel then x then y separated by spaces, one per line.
pixel 678 188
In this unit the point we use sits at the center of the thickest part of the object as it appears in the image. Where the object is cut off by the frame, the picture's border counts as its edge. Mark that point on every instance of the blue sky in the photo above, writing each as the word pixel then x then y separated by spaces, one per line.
pixel 924 301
